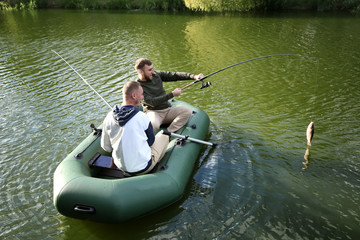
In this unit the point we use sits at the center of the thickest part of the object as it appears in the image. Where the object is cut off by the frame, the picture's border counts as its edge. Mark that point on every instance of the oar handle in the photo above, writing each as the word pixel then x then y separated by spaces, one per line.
pixel 188 138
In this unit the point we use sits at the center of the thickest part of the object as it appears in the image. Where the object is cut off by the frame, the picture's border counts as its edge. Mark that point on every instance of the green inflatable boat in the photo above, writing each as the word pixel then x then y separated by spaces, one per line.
pixel 86 187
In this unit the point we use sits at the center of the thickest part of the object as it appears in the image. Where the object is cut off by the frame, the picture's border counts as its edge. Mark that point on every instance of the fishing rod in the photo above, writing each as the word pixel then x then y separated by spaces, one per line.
pixel 207 84
pixel 83 79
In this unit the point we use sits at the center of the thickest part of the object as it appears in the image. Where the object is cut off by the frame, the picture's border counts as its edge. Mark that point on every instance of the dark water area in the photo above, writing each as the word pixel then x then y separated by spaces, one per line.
pixel 254 183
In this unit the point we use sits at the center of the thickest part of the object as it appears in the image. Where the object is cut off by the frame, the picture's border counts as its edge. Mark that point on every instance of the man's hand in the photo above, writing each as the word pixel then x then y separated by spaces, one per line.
pixel 177 92
pixel 200 76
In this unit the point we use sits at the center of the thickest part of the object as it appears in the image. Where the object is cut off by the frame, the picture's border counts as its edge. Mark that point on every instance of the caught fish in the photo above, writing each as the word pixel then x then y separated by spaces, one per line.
pixel 310 133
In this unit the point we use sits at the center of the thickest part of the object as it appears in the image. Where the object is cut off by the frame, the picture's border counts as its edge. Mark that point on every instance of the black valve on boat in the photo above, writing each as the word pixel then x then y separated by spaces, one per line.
pixel 205 84
pixel 97 132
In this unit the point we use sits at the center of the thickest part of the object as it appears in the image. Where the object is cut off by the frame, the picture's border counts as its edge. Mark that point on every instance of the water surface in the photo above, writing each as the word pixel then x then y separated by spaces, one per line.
pixel 254 183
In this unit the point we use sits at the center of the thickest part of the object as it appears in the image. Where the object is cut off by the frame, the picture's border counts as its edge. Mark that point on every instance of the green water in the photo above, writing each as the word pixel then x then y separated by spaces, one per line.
pixel 254 184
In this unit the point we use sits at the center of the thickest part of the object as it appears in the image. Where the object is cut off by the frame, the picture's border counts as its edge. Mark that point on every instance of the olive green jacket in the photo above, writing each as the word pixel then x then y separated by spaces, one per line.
pixel 155 97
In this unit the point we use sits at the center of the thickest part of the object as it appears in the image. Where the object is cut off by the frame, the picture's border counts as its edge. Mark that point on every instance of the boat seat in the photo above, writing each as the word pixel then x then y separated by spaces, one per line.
pixel 106 166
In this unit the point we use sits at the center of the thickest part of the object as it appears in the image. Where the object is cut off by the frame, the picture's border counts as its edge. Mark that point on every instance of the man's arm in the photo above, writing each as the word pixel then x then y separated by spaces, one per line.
pixel 105 141
pixel 175 76
pixel 150 134
pixel 153 101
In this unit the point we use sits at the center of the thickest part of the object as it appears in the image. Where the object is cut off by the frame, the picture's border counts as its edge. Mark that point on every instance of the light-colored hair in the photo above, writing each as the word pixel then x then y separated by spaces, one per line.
pixel 141 62
pixel 130 87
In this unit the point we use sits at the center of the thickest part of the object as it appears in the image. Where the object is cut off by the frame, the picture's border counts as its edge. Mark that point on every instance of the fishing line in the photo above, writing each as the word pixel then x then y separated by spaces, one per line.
pixel 207 84
pixel 83 79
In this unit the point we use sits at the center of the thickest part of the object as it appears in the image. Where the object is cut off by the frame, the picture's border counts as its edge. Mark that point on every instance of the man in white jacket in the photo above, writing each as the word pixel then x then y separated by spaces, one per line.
pixel 128 134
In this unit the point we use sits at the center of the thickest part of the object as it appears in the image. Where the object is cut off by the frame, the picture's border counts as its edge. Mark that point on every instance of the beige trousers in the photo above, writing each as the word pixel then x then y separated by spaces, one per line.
pixel 176 116
pixel 158 149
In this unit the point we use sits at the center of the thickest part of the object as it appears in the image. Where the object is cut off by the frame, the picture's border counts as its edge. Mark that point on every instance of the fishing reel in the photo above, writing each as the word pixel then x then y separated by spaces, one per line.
pixel 205 84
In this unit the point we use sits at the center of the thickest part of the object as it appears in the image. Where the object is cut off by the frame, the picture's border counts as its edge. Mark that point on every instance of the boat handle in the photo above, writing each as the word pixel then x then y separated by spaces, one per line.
pixel 84 209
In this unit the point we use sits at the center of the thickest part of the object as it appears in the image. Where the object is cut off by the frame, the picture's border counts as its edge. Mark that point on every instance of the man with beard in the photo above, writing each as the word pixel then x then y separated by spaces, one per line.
pixel 155 103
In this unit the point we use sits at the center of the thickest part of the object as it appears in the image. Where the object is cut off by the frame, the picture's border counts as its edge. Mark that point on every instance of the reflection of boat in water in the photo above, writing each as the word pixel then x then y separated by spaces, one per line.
pixel 85 192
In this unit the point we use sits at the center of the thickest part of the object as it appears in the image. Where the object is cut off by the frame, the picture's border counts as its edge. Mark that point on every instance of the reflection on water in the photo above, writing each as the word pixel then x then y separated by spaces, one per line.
pixel 306 157
pixel 252 184
pixel 309 136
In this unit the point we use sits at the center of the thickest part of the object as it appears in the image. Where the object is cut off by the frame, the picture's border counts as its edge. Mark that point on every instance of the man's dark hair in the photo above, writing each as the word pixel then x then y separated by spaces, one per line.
pixel 141 62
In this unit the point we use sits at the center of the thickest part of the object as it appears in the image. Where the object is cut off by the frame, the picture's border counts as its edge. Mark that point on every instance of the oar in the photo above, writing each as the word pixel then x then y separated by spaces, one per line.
pixel 188 138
